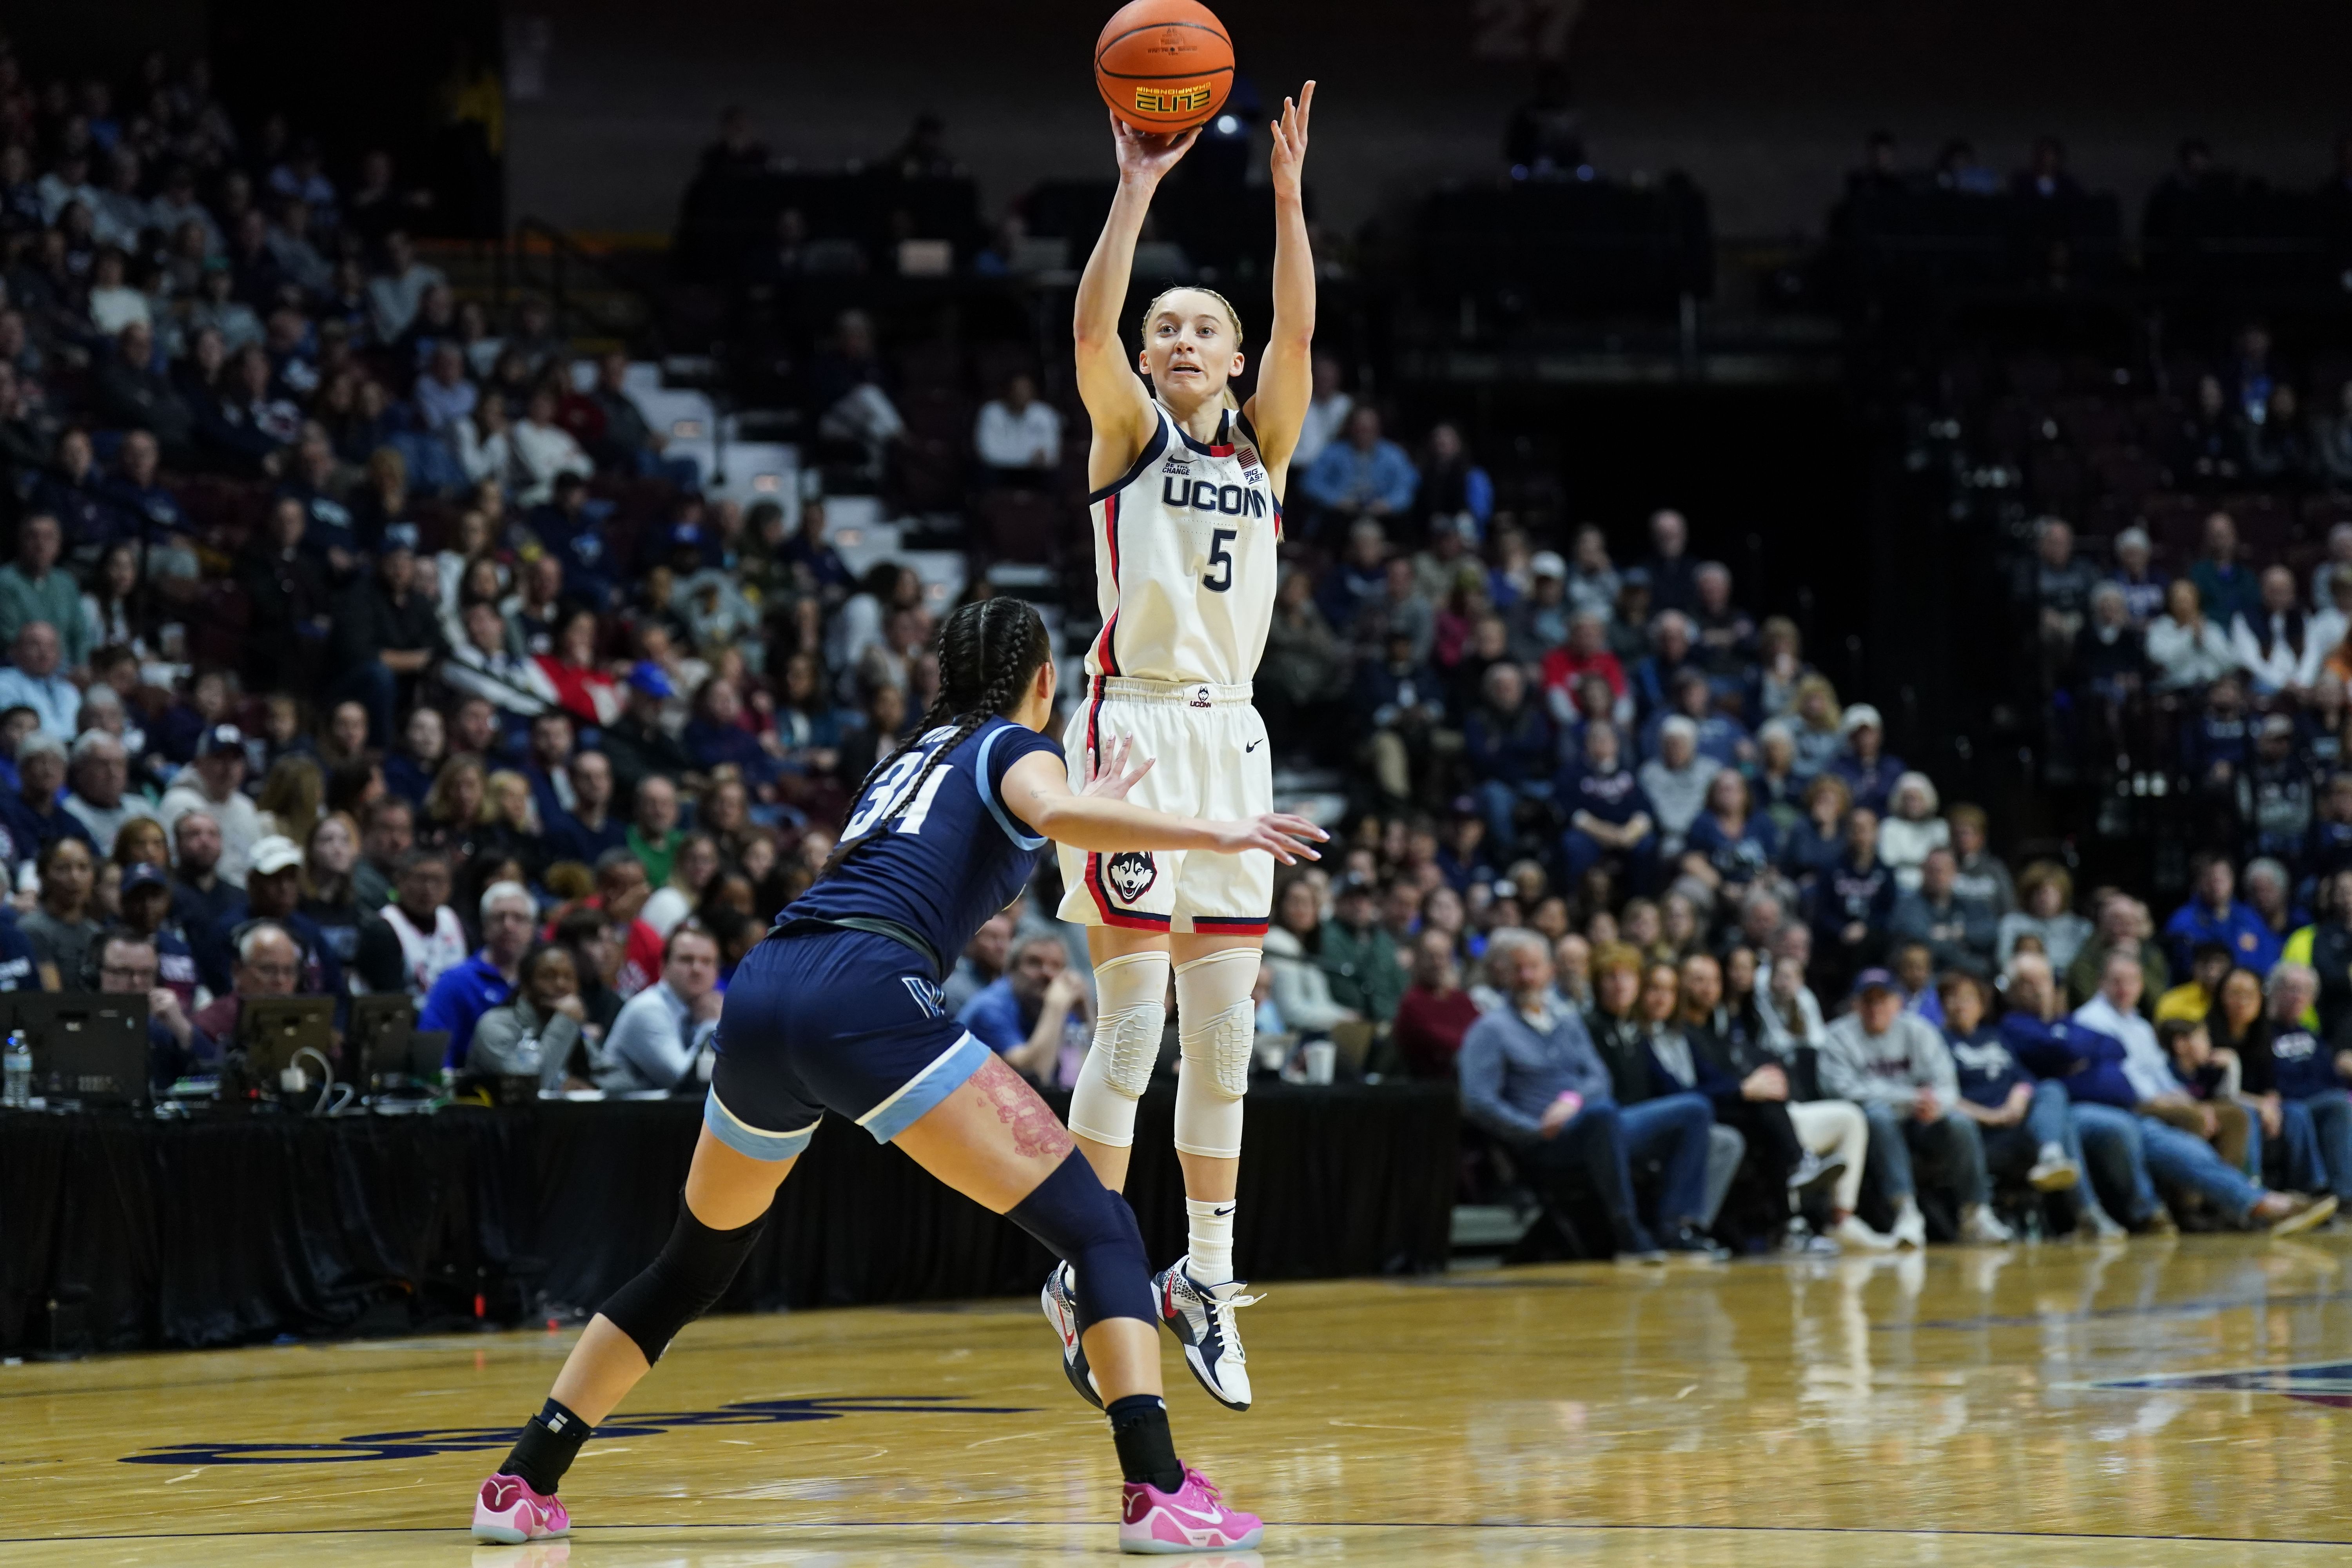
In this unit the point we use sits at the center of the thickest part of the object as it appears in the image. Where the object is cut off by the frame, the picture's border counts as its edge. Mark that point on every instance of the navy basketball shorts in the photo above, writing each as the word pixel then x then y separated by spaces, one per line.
pixel 842 1021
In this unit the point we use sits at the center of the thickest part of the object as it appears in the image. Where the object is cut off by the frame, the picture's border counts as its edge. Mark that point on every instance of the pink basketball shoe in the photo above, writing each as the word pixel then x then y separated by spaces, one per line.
pixel 509 1513
pixel 1192 1518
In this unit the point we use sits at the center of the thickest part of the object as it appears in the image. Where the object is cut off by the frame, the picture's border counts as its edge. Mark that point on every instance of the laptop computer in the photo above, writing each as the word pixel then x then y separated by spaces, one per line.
pixel 87 1047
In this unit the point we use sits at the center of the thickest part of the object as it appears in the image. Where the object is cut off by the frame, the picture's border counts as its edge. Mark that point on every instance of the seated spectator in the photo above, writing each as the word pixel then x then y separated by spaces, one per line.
pixel 1610 819
pixel 202 899
pixel 984 961
pixel 660 1038
pixel 1364 476
pixel 2272 640
pixel 693 865
pixel 1508 749
pixel 397 289
pixel 2147 592
pixel 2226 589
pixel 444 396
pixel 329 852
pixel 411 767
pixel 1869 772
pixel 1592 580
pixel 589 830
pixel 465 991
pixel 1727 634
pixel 1586 653
pixel 1911 828
pixel 543 450
pixel 1854 901
pixel 1675 782
pixel 34 587
pixel 851 393
pixel 1435 1012
pixel 273 892
pixel 408 945
pixel 387 635
pixel 130 392
pixel 1035 1016
pixel 127 965
pixel 1897 1069
pixel 1017 435
pixel 1671 574
pixel 100 799
pixel 2047 895
pixel 2027 1127
pixel 267 964
pixel 1727 848
pixel 33 816
pixel 2113 1011
pixel 33 680
pixel 2123 926
pixel 486 664
pixel 538 1034
pixel 1451 485
pixel 2296 1083
pixel 1358 955
pixel 2214 914
pixel 62 924
pixel 1396 706
pixel 1531 1078
pixel 510 830
pixel 1654 679
pixel 1293 948
pixel 1958 934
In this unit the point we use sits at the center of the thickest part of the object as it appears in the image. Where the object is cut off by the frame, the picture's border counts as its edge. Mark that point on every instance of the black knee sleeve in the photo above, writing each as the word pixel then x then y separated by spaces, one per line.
pixel 1090 1227
pixel 695 1266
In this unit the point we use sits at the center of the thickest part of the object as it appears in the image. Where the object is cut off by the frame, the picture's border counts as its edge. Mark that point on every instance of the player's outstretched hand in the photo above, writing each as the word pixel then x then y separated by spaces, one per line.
pixel 1288 838
pixel 1289 164
pixel 1150 155
pixel 1112 781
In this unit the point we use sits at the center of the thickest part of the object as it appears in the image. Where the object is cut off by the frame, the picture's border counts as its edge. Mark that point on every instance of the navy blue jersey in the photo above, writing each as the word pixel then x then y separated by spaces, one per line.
pixel 945 860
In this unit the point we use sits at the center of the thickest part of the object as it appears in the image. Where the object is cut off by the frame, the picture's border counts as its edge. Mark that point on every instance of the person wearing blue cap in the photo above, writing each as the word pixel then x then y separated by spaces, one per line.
pixel 1897 1069
pixel 635 741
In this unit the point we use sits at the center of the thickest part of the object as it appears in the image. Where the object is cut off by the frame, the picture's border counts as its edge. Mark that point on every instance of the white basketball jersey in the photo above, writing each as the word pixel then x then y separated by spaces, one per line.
pixel 1185 547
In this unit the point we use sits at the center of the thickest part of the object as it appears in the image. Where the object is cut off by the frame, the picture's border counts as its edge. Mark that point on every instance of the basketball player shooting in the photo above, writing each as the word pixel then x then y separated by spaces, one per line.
pixel 1187 507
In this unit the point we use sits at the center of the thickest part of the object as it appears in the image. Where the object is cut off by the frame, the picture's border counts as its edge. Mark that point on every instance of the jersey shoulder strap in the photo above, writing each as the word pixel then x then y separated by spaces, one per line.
pixel 1153 448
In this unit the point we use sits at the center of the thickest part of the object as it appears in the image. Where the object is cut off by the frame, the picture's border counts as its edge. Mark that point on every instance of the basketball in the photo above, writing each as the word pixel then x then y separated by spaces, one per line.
pixel 1164 64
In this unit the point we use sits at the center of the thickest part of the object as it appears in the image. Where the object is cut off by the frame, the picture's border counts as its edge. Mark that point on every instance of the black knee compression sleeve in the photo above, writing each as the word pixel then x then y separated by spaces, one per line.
pixel 1089 1227
pixel 695 1266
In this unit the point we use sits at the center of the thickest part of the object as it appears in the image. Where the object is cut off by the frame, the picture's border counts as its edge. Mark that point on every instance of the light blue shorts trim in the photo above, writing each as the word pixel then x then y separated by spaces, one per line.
pixel 749 1140
pixel 920 1093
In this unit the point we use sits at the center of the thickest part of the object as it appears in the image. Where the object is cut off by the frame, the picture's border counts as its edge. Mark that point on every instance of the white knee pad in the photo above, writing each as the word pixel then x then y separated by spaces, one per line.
pixel 1217 1025
pixel 1130 1014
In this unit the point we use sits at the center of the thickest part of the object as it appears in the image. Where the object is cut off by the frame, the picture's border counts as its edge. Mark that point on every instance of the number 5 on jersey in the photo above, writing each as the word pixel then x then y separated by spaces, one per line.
pixel 1221 559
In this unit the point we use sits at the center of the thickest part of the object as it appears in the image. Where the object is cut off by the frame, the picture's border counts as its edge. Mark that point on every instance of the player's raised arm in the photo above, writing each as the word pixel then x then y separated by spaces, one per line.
pixel 1285 366
pixel 1038 792
pixel 1117 401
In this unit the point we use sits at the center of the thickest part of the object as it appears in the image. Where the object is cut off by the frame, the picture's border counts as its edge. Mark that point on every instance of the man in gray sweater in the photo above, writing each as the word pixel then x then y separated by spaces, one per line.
pixel 1530 1076
pixel 1896 1066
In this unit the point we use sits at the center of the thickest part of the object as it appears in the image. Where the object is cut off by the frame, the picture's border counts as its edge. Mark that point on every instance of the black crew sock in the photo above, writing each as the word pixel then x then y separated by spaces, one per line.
pixel 549 1442
pixel 1139 1425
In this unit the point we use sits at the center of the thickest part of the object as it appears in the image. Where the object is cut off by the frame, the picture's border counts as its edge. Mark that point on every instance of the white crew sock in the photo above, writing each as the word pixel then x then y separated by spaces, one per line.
pixel 1209 1238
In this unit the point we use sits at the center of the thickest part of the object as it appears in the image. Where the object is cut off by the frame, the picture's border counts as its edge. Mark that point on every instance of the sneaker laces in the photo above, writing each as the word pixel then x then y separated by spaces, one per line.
pixel 1220 1310
pixel 1205 1484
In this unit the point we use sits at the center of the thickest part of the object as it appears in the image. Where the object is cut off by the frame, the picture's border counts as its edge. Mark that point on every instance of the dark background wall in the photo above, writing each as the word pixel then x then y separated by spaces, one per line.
pixel 1764 103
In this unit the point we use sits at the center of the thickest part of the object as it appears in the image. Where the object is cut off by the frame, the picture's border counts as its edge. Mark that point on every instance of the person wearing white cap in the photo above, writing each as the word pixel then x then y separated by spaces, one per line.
pixel 1869 772
pixel 1538 621
pixel 273 892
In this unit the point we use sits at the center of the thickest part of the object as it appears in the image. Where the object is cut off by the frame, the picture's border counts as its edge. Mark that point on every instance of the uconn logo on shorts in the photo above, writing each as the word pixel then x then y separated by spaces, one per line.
pixel 1129 875
pixel 1203 495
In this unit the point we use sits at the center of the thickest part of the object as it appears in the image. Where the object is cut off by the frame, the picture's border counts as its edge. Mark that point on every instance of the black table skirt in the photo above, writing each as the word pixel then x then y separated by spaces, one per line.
pixel 120 1232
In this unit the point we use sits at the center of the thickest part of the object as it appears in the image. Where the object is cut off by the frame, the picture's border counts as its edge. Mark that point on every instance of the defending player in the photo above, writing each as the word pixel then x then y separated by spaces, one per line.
pixel 839 1010
pixel 1188 518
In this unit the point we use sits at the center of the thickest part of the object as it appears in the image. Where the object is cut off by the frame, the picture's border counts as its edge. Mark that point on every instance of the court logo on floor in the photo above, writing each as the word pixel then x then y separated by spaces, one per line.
pixel 428 1441
pixel 2327 1383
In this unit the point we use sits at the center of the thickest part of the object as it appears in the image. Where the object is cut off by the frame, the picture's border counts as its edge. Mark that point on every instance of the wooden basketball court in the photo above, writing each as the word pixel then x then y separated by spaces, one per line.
pixel 2153 1404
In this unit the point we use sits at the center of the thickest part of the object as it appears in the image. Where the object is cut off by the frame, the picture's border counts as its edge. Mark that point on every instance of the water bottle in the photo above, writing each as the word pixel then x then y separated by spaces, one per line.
pixel 16 1090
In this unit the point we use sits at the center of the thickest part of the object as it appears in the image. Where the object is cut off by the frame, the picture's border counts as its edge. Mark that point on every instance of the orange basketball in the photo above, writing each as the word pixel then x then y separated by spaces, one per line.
pixel 1164 64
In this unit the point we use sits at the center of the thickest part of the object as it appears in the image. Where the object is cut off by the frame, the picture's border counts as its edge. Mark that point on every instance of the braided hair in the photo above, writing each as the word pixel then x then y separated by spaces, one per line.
pixel 989 652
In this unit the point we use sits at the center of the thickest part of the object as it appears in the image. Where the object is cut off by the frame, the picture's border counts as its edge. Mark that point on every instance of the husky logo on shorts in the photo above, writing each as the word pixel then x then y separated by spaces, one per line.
pixel 1201 697
pixel 1130 874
